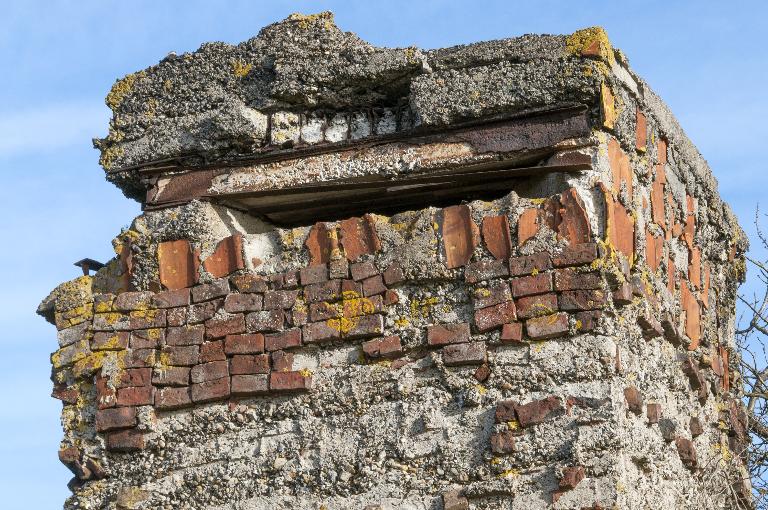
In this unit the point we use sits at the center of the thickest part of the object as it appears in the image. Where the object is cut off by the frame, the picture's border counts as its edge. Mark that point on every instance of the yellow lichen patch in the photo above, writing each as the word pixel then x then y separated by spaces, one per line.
pixel 410 55
pixel 423 307
pixel 342 324
pixel 509 473
pixel 305 372
pixel 241 69
pixel 151 109
pixel 495 460
pixel 306 20
pixel 513 425
pixel 607 106
pixel 593 42
pixel 481 389
pixel 110 155
pixel 402 322
pixel 121 89
pixel 167 85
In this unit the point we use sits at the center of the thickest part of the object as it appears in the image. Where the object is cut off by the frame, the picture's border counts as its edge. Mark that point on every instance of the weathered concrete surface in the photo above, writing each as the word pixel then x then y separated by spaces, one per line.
pixel 567 344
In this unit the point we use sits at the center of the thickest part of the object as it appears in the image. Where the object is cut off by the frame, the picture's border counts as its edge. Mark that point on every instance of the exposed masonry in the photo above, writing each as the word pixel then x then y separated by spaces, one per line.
pixel 505 280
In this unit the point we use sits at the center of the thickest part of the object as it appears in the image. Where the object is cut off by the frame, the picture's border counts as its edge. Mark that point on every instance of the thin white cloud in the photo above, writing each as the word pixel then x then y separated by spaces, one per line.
pixel 51 127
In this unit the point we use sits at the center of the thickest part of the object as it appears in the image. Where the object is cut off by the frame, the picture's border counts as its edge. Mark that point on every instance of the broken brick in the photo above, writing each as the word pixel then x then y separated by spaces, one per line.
pixel 386 347
pixel 634 400
pixel 497 292
pixel 115 418
pixel 621 169
pixel 587 321
pixel 455 501
pixel 444 334
pixel 321 244
pixel 575 300
pixel 226 258
pixel 363 270
pixel 393 274
pixel 373 285
pixel 326 291
pixel 687 452
pixel 576 255
pixel 641 131
pixel 209 291
pixel 178 264
pixel 314 274
pixel 249 283
pixel 574 225
pixel 527 225
pixel 653 412
pixel 201 312
pixel 512 332
pixel 317 332
pixel 125 441
pixel 503 442
pixel 237 303
pixel 464 354
pixel 496 316
pixel 692 316
pixel 538 411
pixel 358 237
pixel 536 306
pixel 497 236
pixel 482 373
pixel 460 235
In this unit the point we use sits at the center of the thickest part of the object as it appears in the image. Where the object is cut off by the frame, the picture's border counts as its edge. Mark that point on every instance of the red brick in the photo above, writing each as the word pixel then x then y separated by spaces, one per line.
pixel 178 264
pixel 391 298
pixel 387 347
pixel 235 303
pixel 147 338
pixel 527 264
pixel 251 343
pixel 130 301
pixel 574 226
pixel 634 400
pixel 146 319
pixel 125 441
pixel 358 237
pixel 250 384
pixel 548 326
pixel 503 442
pixel 326 291
pixel 505 411
pixel 576 300
pixel 138 358
pixel 231 325
pixel 464 354
pixel 576 255
pixel 280 299
pixel 116 418
pixel 497 236
pixel 249 283
pixel 110 341
pixel 692 316
pixel 201 312
pixel 695 426
pixel 67 394
pixel 512 332
pixel 135 396
pixel 536 306
pixel 244 364
pixel 482 373
pixel 571 477
pixel 534 284
pixel 485 270
pixel 365 326
pixel 641 131
pixel 393 274
pixel 321 243
pixel 170 376
pixel 621 169
pixel 208 391
pixel 171 299
pixel 694 267
pixel 658 212
pixel 444 334
pixel 209 371
pixel 497 292
pixel 323 311
pixel 284 340
pixel 587 321
pixel 314 274
pixel 363 270
pixel 620 227
pixel 282 361
pixel 106 395
pixel 654 251
pixel 266 320
pixel 373 285
pixel 495 316
pixel 207 292
pixel 362 306
pixel 134 377
pixel 650 327
pixel 538 411
pixel 568 279
pixel 687 452
pixel 176 316
pixel 317 332
pixel 527 225
pixel 167 399
pixel 226 258
pixel 460 235
pixel 181 355
pixel 653 411
pixel 185 335
pixel 351 288
pixel 453 500
pixel 289 381
pixel 212 351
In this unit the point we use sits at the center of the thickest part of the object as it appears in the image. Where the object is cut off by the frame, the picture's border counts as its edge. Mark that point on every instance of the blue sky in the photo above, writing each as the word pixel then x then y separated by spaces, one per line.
pixel 59 59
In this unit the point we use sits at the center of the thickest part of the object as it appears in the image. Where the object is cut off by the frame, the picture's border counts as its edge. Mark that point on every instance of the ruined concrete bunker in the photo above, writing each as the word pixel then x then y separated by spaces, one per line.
pixel 491 276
